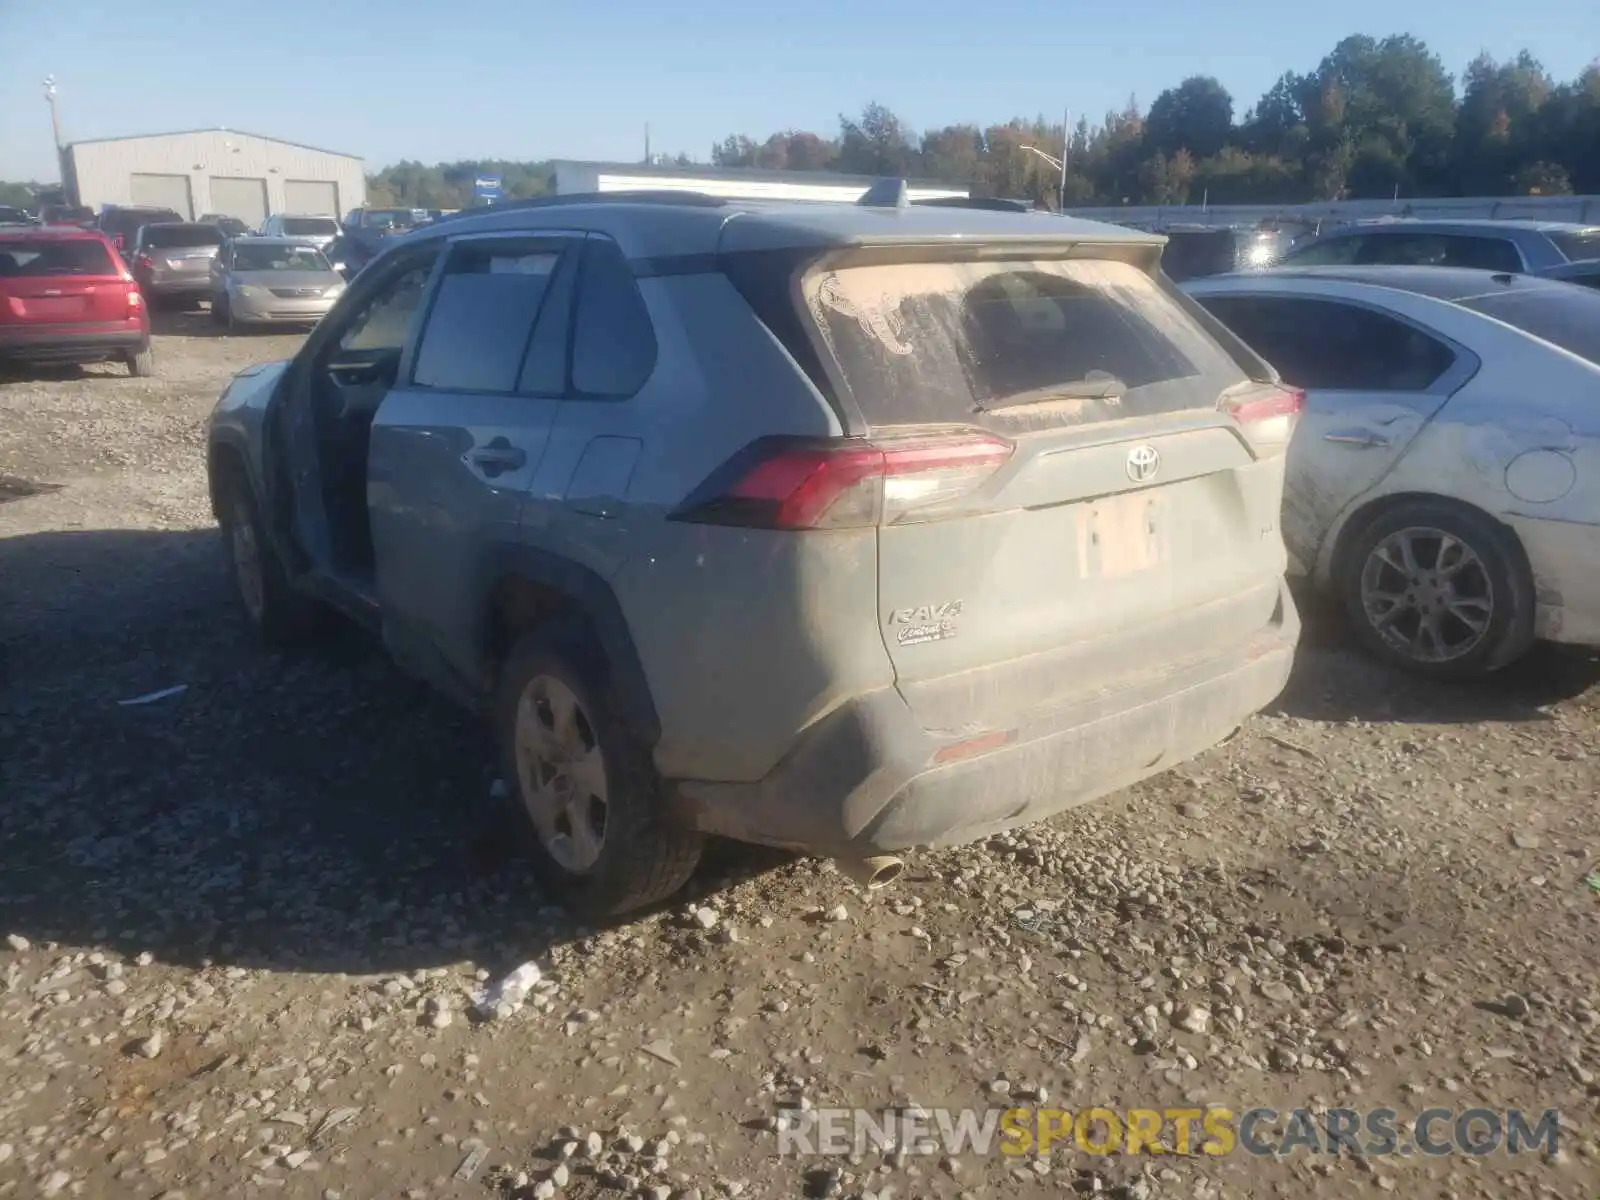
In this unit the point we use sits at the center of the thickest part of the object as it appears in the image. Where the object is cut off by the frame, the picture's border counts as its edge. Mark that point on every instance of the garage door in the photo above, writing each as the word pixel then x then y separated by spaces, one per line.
pixel 310 198
pixel 163 191
pixel 242 198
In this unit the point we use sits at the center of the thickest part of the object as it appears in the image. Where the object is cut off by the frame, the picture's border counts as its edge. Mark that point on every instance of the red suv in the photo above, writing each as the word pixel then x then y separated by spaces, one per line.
pixel 66 297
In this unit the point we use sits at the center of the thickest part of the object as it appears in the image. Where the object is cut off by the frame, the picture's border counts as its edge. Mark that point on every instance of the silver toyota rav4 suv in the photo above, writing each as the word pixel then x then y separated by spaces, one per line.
pixel 841 528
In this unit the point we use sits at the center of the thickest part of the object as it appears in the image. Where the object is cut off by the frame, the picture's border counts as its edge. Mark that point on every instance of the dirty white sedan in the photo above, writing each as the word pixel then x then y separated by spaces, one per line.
pixel 1444 481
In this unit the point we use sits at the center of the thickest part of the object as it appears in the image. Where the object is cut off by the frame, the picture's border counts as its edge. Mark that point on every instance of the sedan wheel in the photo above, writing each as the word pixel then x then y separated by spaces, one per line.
pixel 1437 587
pixel 1427 594
pixel 562 773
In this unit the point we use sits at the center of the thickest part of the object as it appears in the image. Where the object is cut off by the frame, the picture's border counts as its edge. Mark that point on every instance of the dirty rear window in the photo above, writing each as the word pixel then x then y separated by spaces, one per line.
pixel 1567 316
pixel 1049 341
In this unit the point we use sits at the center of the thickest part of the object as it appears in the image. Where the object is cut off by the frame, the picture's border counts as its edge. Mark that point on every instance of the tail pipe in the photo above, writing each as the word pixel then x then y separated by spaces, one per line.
pixel 878 871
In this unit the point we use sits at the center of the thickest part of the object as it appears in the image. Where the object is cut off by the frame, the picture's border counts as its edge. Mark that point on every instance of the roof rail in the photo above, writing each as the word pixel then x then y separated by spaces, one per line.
pixel 666 196
pixel 886 193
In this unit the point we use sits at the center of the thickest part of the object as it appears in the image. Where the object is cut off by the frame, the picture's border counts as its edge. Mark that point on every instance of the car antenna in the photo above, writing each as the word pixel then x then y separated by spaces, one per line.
pixel 886 193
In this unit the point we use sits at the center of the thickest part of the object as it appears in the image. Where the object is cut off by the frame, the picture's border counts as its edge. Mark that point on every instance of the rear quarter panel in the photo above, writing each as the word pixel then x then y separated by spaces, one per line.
pixel 746 636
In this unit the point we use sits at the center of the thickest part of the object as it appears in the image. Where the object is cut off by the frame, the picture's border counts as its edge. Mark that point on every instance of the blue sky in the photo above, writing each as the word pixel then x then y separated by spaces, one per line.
pixel 451 79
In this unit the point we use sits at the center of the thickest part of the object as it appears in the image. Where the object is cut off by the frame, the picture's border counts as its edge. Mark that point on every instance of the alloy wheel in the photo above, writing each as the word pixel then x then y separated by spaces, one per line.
pixel 561 773
pixel 1427 594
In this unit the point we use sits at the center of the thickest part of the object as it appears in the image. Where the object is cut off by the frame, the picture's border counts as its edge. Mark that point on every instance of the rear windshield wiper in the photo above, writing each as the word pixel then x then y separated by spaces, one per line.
pixel 1100 387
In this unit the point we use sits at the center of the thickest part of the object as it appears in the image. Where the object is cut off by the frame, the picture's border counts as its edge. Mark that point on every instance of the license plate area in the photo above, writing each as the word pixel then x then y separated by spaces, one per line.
pixel 52 308
pixel 1123 535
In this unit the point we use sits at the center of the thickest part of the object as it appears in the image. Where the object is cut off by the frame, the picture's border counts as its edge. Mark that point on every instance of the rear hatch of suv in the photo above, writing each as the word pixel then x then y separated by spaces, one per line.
pixel 1076 487
pixel 65 279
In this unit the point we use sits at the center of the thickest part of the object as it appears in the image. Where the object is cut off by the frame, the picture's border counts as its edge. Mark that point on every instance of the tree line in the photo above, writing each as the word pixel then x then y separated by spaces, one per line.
pixel 1375 118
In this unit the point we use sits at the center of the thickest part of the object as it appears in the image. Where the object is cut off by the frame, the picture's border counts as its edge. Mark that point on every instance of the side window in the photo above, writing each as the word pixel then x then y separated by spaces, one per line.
pixel 613 341
pixel 1404 249
pixel 482 319
pixel 1326 252
pixel 383 322
pixel 1323 344
pixel 1485 253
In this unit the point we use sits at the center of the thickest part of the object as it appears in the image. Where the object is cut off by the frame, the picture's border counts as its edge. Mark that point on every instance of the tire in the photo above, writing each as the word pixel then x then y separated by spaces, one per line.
pixel 278 614
pixel 1468 620
pixel 640 857
pixel 141 363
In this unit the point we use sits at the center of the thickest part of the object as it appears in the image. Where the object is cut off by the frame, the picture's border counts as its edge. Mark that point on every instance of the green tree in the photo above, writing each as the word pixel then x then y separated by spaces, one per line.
pixel 878 143
pixel 954 153
pixel 1542 179
pixel 18 195
pixel 1196 116
pixel 1496 131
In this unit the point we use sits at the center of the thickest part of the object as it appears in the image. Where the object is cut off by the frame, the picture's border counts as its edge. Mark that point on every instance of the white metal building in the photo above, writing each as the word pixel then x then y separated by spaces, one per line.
pixel 221 171
pixel 731 182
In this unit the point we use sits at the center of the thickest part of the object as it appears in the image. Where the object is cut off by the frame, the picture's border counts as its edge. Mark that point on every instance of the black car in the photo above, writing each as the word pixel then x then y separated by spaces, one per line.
pixel 10 215
pixel 231 227
pixel 1194 251
pixel 121 222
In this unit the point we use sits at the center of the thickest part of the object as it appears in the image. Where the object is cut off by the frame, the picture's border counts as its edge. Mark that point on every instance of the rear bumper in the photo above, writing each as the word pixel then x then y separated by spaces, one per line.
pixel 278 311
pixel 71 343
pixel 177 285
pixel 1565 556
pixel 865 780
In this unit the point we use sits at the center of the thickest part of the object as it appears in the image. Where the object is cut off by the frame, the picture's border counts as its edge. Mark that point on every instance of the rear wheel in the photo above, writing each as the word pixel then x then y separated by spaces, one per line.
pixel 280 615
pixel 583 782
pixel 1440 589
pixel 141 363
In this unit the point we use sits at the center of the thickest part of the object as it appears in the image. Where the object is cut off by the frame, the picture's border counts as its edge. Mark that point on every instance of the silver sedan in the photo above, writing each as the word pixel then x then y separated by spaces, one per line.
pixel 1444 481
pixel 272 281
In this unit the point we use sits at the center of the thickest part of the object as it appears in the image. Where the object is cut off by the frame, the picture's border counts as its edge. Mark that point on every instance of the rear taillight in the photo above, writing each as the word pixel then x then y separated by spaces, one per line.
pixel 845 483
pixel 1267 415
pixel 134 298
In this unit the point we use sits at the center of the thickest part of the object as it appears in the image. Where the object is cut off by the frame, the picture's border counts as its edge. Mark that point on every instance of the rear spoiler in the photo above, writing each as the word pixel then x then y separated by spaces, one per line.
pixel 892 192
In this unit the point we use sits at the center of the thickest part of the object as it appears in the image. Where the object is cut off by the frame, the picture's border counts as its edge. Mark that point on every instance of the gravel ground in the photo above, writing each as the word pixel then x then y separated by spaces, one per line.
pixel 246 921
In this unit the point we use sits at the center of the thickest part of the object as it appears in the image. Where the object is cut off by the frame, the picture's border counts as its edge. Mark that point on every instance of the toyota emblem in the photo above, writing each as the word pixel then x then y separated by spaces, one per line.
pixel 1143 463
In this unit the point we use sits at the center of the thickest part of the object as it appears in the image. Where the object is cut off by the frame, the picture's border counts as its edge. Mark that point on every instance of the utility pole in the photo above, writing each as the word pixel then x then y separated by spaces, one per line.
pixel 1066 147
pixel 647 159
pixel 55 116
pixel 67 189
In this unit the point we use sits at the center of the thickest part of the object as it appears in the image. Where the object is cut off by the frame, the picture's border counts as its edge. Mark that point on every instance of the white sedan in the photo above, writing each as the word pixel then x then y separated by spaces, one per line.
pixel 1444 480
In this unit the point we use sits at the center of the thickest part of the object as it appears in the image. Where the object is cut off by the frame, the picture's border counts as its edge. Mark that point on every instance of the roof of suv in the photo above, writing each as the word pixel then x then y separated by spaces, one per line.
pixel 1441 283
pixel 651 226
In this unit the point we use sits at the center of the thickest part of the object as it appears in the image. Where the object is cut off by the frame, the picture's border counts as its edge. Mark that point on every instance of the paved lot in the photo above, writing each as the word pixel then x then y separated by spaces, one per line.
pixel 292 877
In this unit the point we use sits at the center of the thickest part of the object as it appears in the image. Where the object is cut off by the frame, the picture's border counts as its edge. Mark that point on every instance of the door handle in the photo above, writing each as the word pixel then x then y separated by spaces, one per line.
pixel 498 456
pixel 1356 437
